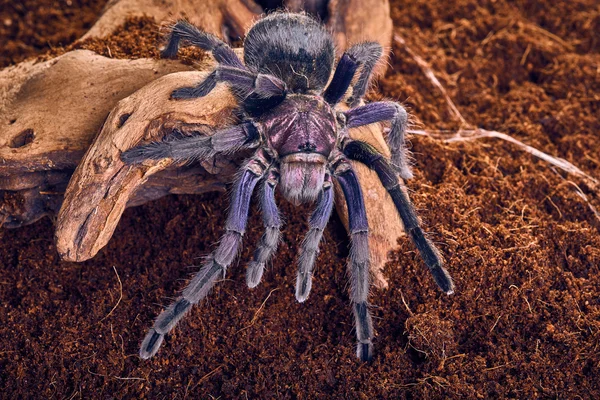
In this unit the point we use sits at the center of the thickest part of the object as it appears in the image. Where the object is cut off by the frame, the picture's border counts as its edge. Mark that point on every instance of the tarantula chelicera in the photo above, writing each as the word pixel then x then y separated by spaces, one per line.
pixel 289 105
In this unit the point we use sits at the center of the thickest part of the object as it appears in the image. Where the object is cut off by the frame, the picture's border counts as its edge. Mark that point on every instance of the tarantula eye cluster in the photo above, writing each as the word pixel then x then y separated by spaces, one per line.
pixel 301 145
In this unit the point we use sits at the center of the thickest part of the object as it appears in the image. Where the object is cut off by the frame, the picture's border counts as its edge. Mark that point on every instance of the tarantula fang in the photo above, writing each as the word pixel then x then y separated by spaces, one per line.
pixel 291 119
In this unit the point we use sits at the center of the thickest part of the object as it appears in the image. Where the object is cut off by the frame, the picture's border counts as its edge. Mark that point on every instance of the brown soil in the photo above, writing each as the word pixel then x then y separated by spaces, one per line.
pixel 522 245
pixel 31 27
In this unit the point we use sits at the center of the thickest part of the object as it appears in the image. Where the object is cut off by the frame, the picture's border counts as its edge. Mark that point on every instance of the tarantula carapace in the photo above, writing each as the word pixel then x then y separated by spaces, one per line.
pixel 289 106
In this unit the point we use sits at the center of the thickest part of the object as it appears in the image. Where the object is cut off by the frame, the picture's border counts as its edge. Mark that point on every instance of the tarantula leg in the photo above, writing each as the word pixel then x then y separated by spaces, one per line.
pixel 368 155
pixel 363 55
pixel 230 68
pixel 359 257
pixel 367 54
pixel 217 262
pixel 342 77
pixel 386 111
pixel 187 32
pixel 200 90
pixel 245 82
pixel 270 239
pixel 228 140
pixel 310 246
pixel 241 81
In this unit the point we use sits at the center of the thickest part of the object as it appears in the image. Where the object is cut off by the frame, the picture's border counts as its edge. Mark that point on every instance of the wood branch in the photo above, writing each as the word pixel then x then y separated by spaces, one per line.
pixel 223 18
pixel 102 185
pixel 355 21
pixel 51 111
pixel 49 114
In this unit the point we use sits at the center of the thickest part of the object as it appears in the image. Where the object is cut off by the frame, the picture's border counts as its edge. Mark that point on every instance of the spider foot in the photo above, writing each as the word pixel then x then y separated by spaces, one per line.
pixel 151 151
pixel 254 274
pixel 186 93
pixel 401 166
pixel 170 50
pixel 443 279
pixel 151 344
pixel 364 351
pixel 303 286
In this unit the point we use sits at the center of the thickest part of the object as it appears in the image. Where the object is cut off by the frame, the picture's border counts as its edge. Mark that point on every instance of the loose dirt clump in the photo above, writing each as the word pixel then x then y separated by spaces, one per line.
pixel 520 237
pixel 431 338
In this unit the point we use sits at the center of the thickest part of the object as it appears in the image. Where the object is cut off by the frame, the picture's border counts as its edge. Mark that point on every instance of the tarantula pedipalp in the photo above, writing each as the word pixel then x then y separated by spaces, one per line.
pixel 290 117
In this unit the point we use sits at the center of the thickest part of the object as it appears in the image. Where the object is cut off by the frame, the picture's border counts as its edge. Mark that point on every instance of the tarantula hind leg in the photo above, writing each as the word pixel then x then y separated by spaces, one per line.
pixel 358 264
pixel 310 246
pixel 386 111
pixel 217 262
pixel 228 140
pixel 368 155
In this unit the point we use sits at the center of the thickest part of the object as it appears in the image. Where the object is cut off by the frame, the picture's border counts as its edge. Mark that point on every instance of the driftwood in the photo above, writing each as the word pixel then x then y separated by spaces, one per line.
pixel 351 21
pixel 102 185
pixel 50 112
pixel 224 18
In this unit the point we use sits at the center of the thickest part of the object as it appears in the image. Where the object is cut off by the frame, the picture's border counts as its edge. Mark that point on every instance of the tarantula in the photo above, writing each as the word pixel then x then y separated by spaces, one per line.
pixel 290 116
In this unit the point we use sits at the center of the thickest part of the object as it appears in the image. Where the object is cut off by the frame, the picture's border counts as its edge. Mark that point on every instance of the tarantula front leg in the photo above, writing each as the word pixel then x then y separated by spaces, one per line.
pixel 368 155
pixel 364 55
pixel 270 239
pixel 310 246
pixel 386 111
pixel 218 261
pixel 359 257
pixel 228 140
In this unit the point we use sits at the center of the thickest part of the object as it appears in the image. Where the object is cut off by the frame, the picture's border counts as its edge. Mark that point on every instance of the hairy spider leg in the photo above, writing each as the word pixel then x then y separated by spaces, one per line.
pixel 359 257
pixel 368 155
pixel 270 239
pixel 242 81
pixel 367 54
pixel 386 111
pixel 309 249
pixel 364 55
pixel 189 33
pixel 222 53
pixel 342 77
pixel 200 90
pixel 230 69
pixel 224 141
pixel 217 263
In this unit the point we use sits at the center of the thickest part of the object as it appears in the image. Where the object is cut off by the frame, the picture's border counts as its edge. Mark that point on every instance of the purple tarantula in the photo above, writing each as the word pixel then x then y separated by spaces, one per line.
pixel 290 116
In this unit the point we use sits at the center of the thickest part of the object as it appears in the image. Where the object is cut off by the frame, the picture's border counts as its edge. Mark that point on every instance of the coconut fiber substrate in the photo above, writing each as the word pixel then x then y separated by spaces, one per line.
pixel 520 236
